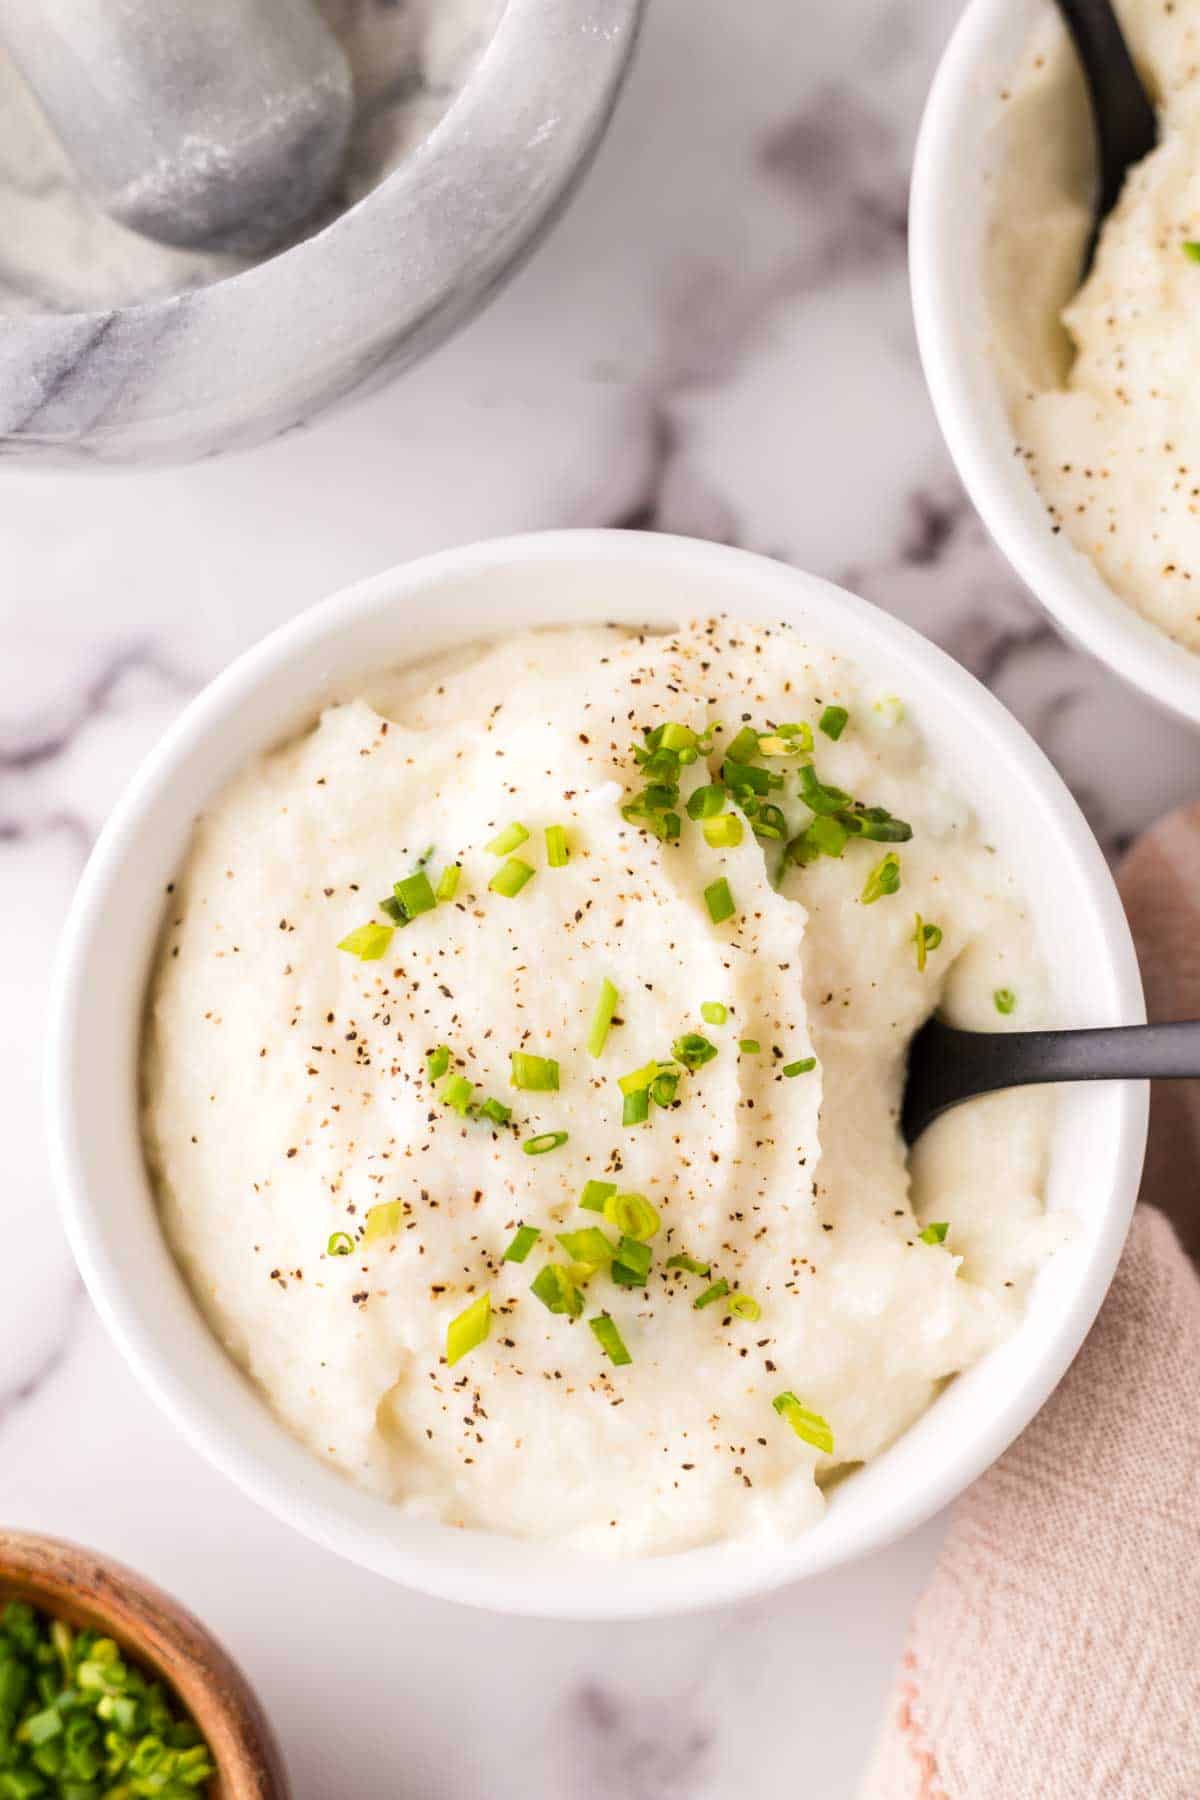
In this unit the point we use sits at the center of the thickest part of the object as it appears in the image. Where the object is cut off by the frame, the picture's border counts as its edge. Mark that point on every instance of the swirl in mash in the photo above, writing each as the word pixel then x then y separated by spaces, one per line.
pixel 289 1094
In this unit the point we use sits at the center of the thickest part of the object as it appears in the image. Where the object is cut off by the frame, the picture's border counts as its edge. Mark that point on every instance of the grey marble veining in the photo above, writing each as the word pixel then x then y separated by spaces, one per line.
pixel 715 339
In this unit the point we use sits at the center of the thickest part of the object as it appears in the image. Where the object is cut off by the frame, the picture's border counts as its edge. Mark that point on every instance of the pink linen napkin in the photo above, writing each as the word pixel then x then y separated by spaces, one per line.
pixel 1056 1652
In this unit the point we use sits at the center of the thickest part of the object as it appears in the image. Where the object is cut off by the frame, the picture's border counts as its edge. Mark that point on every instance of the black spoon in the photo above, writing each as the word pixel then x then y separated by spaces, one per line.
pixel 946 1065
pixel 1123 119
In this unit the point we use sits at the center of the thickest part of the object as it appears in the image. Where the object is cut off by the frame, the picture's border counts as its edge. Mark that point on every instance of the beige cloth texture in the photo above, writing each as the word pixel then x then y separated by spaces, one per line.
pixel 1056 1652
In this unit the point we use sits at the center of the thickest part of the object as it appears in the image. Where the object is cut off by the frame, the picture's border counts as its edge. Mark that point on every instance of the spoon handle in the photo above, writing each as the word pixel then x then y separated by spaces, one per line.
pixel 1125 123
pixel 994 1059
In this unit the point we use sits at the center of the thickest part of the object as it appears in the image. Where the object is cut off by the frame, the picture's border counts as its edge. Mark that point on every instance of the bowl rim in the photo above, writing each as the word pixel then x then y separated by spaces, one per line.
pixel 1060 577
pixel 345 1527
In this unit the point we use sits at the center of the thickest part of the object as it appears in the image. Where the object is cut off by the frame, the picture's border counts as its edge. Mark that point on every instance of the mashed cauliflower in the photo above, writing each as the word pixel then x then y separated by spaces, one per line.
pixel 1102 379
pixel 328 1129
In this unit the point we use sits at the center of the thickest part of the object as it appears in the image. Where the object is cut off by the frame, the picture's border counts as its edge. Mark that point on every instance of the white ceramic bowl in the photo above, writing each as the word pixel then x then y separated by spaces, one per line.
pixel 949 210
pixel 277 689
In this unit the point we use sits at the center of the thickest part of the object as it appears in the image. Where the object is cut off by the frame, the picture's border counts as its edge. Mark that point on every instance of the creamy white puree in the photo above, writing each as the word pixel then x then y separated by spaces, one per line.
pixel 1102 382
pixel 286 1093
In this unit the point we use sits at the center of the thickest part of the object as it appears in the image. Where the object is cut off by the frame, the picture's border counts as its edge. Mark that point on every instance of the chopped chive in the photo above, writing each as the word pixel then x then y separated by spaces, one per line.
pixel 1005 1000
pixel 664 1086
pixel 706 802
pixel 690 1264
pixel 632 1215
pixel 833 721
pixel 719 901
pixel 800 1068
pixel 769 823
pixel 469 1329
pixel 415 894
pixel 588 1245
pixel 602 1017
pixel 595 1193
pixel 438 1061
pixel 535 1074
pixel 508 839
pixel 692 1050
pixel 526 1237
pixel 557 1290
pixel 744 1306
pixel 548 1140
pixel 511 877
pixel 883 879
pixel 926 938
pixel 382 1220
pixel 631 1263
pixel 636 1107
pixel 773 743
pixel 723 833
pixel 392 907
pixel 817 796
pixel 749 1046
pixel 557 854
pixel 743 745
pixel 368 942
pixel 340 1244
pixel 717 1291
pixel 875 823
pixel 827 836
pixel 610 1340
pixel 637 1079
pixel 675 737
pixel 807 1425
pixel 496 1111
pixel 1191 249
pixel 456 1092
pixel 936 1233
pixel 447 887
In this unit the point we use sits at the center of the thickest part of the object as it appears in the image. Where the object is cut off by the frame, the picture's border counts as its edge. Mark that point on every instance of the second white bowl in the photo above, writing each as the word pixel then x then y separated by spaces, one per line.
pixel 276 690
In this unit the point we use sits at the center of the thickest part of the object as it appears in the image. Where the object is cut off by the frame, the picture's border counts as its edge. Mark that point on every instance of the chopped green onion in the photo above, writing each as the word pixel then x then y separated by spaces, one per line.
pixel 382 1220
pixel 713 1012
pixel 557 854
pixel 456 1092
pixel 743 746
pixel 745 1306
pixel 674 737
pixel 549 1140
pixel 777 743
pixel 438 1061
pixel 595 1193
pixel 447 887
pixel 723 833
pixel 833 721
pixel 637 1079
pixel 890 709
pixel 610 1340
pixel 534 1074
pixel 631 1263
pixel 636 1107
pixel 807 1425
pixel 719 901
pixel 415 894
pixel 692 1050
pixel 602 1017
pixel 1005 1000
pixel 1191 250
pixel 926 938
pixel 769 822
pixel 819 798
pixel 706 802
pixel 883 879
pixel 496 1111
pixel 689 1263
pixel 526 1237
pixel 511 877
pixel 746 782
pixel 749 1046
pixel 557 1290
pixel 588 1245
pixel 369 942
pixel 664 1087
pixel 469 1329
pixel 632 1215
pixel 392 907
pixel 800 1068
pixel 340 1244
pixel 936 1233
pixel 717 1291
pixel 875 823
pixel 508 839
pixel 826 836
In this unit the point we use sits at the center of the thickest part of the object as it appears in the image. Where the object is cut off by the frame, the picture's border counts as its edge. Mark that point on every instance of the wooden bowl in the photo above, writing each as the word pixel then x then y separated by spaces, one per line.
pixel 87 1589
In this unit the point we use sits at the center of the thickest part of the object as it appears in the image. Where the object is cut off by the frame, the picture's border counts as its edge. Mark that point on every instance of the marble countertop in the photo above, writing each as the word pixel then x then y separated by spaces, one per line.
pixel 716 339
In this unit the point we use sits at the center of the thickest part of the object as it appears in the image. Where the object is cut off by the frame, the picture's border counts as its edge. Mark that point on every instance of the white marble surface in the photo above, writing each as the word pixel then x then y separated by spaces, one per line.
pixel 716 339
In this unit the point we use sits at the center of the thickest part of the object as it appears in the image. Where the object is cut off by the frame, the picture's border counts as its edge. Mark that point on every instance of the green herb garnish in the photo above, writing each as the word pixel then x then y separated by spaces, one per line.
pixel 719 901
pixel 595 1193
pixel 496 1111
pixel 437 1062
pixel 547 1141
pixel 340 1244
pixel 936 1233
pixel 716 1292
pixel 713 1012
pixel 692 1050
pixel 368 942
pixel 635 1109
pixel 508 839
pixel 535 1074
pixel 632 1216
pixel 1005 1000
pixel 926 938
pixel 383 1221
pixel 690 1264
pixel 469 1329
pixel 588 1245
pixel 807 1425
pixel 744 1306
pixel 800 1068
pixel 883 879
pixel 833 721
pixel 1191 249
pixel 511 877
pixel 557 853
pixel 455 1092
pixel 749 1046
pixel 602 1017
pixel 724 832
pixel 524 1240
pixel 706 803
pixel 610 1340
pixel 631 1263
pixel 557 1290
pixel 447 887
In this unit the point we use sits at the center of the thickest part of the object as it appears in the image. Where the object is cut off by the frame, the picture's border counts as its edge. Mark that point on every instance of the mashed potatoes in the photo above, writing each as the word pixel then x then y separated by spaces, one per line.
pixel 328 1132
pixel 1102 382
